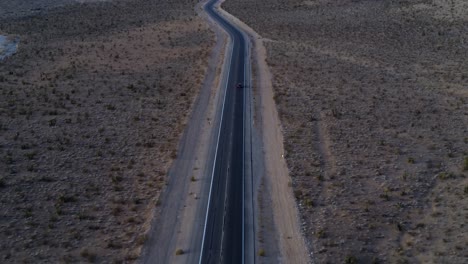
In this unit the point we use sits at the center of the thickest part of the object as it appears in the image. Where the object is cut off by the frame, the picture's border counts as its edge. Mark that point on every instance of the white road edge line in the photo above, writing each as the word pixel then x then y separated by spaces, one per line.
pixel 216 151
pixel 251 109
pixel 243 163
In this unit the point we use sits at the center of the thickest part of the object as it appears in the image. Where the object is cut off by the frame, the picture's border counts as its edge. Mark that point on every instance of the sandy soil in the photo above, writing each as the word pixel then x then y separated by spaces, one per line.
pixel 91 110
pixel 373 103
pixel 287 225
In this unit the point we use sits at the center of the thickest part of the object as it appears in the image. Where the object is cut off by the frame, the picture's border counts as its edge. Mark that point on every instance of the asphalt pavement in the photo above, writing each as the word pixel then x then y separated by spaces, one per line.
pixel 224 231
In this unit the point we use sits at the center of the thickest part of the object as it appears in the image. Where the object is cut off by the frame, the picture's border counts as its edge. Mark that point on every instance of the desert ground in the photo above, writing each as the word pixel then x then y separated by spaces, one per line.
pixel 372 97
pixel 92 106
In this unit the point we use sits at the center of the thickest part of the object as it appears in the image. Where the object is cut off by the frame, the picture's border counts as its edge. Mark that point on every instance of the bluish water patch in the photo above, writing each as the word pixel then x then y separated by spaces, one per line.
pixel 8 46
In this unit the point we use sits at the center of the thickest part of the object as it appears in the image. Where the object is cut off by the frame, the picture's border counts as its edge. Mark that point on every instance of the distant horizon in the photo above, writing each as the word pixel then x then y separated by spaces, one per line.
pixel 10 8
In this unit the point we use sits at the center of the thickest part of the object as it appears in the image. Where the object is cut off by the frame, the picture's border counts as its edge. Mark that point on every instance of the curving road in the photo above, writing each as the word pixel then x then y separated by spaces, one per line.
pixel 223 235
pixel 216 227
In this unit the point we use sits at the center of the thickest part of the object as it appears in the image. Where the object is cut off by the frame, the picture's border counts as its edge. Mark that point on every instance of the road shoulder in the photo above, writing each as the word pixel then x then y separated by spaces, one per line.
pixel 181 216
pixel 277 180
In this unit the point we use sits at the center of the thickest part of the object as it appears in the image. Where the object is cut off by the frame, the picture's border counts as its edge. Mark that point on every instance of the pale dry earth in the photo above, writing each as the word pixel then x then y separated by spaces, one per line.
pixel 372 97
pixel 92 107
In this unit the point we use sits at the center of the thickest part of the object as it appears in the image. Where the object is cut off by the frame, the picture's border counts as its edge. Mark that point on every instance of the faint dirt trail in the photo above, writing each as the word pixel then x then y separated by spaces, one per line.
pixel 285 212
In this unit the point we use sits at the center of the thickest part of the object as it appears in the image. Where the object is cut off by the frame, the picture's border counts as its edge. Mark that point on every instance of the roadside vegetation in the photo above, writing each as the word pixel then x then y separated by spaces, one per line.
pixel 91 110
pixel 373 102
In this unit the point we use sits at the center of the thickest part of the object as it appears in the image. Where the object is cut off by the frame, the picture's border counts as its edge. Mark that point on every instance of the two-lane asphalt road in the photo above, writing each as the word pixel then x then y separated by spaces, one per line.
pixel 223 236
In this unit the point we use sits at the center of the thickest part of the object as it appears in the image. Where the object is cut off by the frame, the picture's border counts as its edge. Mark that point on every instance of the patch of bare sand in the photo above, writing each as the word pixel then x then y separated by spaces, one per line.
pixel 286 221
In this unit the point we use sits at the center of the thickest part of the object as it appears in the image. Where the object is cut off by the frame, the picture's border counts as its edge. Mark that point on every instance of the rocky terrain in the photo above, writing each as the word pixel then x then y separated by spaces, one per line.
pixel 373 101
pixel 92 106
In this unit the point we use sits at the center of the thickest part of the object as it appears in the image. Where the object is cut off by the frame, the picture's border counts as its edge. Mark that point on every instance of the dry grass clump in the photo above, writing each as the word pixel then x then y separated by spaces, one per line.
pixel 373 101
pixel 91 109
